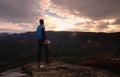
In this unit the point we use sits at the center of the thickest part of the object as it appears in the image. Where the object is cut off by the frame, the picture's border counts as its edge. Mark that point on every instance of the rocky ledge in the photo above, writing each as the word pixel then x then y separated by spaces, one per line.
pixel 57 69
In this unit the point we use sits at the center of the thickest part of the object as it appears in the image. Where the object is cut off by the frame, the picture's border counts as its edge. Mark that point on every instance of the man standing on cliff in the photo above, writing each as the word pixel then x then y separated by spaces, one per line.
pixel 42 42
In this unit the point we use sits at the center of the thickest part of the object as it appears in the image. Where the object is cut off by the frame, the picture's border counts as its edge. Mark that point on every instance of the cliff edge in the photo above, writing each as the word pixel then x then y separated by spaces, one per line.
pixel 56 69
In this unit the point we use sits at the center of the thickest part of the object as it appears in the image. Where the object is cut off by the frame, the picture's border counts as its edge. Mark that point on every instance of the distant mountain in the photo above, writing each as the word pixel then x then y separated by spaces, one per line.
pixel 22 48
pixel 112 38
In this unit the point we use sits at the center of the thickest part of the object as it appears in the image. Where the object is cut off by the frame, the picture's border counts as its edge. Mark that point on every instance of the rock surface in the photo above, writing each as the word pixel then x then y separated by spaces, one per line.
pixel 58 69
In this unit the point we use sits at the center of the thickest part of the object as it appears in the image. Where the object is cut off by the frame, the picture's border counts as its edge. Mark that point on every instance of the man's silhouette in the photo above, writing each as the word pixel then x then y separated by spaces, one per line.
pixel 41 37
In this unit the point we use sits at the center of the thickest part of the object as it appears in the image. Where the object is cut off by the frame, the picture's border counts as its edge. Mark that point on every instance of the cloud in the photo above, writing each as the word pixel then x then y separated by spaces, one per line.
pixel 93 9
pixel 117 22
pixel 18 11
pixel 60 15
pixel 106 25
pixel 102 27
pixel 16 28
pixel 85 15
pixel 19 15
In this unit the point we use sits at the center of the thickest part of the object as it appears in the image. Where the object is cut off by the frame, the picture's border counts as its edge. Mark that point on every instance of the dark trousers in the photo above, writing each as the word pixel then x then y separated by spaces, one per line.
pixel 40 47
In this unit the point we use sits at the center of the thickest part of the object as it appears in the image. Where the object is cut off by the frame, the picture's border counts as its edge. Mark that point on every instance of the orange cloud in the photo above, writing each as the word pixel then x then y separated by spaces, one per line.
pixel 60 15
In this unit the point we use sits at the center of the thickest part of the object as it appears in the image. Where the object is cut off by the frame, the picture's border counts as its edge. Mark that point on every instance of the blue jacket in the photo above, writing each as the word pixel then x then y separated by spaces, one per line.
pixel 41 32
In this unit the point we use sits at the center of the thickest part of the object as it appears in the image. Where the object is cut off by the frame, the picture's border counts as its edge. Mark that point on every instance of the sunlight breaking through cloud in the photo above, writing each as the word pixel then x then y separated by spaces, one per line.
pixel 60 15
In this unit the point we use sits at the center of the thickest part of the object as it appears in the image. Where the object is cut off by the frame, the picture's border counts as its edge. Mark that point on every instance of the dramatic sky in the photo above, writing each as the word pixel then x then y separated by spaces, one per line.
pixel 18 16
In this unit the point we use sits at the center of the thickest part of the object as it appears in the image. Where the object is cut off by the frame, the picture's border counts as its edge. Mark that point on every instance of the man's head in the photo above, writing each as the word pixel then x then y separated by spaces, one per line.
pixel 41 21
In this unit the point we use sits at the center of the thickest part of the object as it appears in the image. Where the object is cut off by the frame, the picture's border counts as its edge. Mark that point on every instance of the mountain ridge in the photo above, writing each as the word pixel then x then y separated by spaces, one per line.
pixel 71 47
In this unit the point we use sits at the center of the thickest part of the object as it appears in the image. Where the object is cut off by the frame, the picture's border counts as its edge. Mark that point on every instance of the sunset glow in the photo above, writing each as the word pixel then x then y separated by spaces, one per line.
pixel 59 15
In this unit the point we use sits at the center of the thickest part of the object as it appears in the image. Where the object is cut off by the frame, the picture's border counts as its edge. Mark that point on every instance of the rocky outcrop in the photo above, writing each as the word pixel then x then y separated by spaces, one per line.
pixel 58 69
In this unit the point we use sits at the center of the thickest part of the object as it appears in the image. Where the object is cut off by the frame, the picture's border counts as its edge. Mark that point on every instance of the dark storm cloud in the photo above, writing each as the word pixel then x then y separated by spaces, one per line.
pixel 78 24
pixel 95 9
pixel 117 22
pixel 19 10
pixel 103 25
